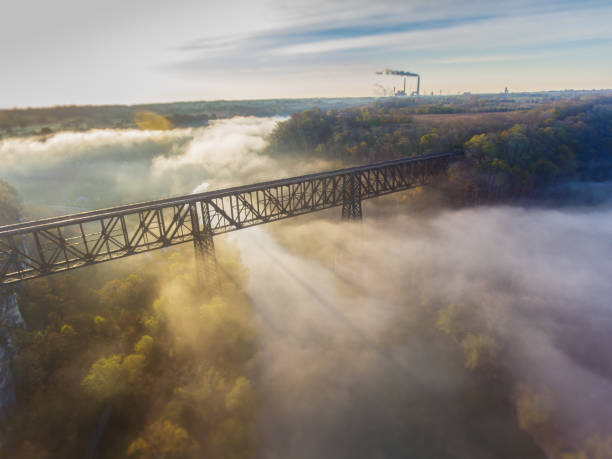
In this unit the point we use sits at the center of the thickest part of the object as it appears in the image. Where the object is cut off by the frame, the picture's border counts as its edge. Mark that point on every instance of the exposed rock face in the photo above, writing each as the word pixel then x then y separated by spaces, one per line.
pixel 10 318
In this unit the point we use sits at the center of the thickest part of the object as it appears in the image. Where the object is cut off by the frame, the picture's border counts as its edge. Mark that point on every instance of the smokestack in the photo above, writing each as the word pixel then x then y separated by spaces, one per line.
pixel 404 74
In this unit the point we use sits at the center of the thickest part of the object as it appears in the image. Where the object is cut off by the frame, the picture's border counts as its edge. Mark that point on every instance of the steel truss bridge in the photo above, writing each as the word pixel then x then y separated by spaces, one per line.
pixel 38 248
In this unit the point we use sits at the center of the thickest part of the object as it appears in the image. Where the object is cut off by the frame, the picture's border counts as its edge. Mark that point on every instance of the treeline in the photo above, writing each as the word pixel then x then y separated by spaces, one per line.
pixel 44 121
pixel 509 155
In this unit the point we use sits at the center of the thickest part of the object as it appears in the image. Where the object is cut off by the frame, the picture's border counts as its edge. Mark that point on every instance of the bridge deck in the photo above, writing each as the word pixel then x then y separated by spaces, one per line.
pixel 37 248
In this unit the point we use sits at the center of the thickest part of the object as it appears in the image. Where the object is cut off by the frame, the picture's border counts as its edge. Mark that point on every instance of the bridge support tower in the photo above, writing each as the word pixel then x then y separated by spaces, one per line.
pixel 206 261
pixel 351 198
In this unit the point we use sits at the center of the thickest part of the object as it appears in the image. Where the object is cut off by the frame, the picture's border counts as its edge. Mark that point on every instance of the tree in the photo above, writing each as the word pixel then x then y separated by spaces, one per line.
pixel 544 171
pixel 152 121
pixel 132 367
pixel 451 321
pixel 240 399
pixel 532 407
pixel 480 148
pixel 479 350
pixel 67 330
pixel 165 440
pixel 144 345
pixel 104 378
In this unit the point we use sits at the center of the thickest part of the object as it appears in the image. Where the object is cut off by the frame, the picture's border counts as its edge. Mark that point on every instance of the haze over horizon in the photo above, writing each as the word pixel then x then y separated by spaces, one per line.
pixel 71 52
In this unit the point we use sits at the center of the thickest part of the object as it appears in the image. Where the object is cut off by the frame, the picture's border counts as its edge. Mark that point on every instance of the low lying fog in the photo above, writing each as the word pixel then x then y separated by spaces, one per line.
pixel 71 171
pixel 347 365
pixel 347 375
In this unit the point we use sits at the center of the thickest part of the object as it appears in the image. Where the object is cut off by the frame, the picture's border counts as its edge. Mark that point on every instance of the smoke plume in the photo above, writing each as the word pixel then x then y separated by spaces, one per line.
pixel 397 72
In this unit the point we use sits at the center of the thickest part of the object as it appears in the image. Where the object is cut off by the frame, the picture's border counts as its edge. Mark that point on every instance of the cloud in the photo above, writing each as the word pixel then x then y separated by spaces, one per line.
pixel 500 32
pixel 192 50
pixel 442 26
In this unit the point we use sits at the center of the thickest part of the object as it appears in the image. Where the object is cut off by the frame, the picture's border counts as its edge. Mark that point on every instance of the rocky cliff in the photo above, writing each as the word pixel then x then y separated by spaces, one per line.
pixel 10 318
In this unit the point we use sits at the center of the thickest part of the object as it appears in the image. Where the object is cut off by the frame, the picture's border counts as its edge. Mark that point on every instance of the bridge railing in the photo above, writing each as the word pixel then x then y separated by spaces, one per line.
pixel 42 247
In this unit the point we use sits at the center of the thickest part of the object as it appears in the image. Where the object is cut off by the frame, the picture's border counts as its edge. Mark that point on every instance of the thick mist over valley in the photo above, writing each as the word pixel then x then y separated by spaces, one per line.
pixel 436 327
pixel 70 171
pixel 306 230
pixel 347 369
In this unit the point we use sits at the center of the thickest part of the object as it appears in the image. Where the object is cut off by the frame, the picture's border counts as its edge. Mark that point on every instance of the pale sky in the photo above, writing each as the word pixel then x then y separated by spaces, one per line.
pixel 138 51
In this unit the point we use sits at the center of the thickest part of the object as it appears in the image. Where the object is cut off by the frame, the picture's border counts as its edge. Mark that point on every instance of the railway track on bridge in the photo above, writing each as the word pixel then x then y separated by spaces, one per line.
pixel 42 247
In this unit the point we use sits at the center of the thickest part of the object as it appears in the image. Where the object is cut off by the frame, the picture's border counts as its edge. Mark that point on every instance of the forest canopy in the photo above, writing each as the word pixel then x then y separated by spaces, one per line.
pixel 509 155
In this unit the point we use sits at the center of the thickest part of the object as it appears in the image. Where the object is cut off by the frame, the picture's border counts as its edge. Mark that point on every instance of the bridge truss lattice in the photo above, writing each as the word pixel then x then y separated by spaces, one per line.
pixel 42 247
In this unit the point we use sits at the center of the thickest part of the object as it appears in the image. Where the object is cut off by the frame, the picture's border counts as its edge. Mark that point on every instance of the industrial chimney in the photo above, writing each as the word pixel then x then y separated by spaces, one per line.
pixel 404 74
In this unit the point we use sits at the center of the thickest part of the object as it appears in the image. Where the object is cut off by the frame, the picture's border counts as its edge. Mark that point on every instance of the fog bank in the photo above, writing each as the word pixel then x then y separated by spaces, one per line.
pixel 351 362
pixel 71 171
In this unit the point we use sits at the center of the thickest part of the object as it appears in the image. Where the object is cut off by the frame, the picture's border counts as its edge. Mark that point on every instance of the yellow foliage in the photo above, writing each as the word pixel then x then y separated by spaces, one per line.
pixel 99 320
pixel 139 445
pixel 213 311
pixel 479 146
pixel 478 349
pixel 226 329
pixel 241 398
pixel 163 439
pixel 144 345
pixel 150 322
pixel 104 378
pixel 450 320
pixel 203 394
pixel 211 382
pixel 132 367
pixel 160 304
pixel 232 439
pixel 67 330
pixel 152 121
pixel 532 407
